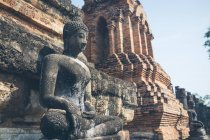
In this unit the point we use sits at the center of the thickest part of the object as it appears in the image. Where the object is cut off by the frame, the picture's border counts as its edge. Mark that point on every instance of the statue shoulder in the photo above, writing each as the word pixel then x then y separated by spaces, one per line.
pixel 52 57
pixel 82 57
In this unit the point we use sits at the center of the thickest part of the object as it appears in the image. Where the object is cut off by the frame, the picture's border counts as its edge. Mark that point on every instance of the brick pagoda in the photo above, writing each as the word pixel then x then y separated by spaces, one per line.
pixel 119 44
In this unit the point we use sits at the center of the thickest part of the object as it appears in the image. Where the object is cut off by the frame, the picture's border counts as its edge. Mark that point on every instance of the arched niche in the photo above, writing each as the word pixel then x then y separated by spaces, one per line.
pixel 102 40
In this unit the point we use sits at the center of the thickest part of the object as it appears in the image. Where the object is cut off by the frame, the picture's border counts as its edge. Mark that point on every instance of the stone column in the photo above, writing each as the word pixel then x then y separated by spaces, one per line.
pixel 119 34
pixel 137 36
pixel 111 29
pixel 149 44
pixel 128 33
pixel 143 40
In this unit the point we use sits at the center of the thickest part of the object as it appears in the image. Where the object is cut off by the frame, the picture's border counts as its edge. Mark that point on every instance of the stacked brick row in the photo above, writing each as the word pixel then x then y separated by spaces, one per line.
pixel 130 57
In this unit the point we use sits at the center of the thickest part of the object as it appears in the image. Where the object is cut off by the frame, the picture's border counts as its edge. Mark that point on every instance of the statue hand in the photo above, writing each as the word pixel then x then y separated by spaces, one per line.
pixel 89 106
pixel 72 109
pixel 88 114
pixel 71 118
pixel 73 113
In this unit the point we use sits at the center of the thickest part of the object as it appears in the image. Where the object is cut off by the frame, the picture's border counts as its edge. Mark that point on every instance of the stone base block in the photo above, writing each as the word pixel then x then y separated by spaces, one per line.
pixel 112 137
pixel 35 134
pixel 199 138
pixel 122 135
pixel 20 134
pixel 143 136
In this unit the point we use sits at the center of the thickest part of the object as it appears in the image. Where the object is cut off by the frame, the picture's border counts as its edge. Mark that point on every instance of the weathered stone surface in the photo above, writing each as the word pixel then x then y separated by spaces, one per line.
pixel 113 96
pixel 19 103
pixel 14 95
pixel 35 134
pixel 20 134
pixel 20 50
pixel 122 135
pixel 199 138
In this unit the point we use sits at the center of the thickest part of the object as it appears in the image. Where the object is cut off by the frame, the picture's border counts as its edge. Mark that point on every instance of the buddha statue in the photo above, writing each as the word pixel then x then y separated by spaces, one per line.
pixel 65 90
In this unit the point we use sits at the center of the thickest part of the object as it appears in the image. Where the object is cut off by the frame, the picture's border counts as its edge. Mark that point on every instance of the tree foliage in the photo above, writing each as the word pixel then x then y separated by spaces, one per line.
pixel 205 99
pixel 207 42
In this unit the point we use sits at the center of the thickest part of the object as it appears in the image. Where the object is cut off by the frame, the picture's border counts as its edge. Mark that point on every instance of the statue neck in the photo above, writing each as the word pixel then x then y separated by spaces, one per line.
pixel 70 54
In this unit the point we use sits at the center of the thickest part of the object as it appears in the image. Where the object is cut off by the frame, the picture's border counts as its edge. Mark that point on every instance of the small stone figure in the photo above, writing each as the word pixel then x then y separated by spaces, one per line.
pixel 197 130
pixel 66 92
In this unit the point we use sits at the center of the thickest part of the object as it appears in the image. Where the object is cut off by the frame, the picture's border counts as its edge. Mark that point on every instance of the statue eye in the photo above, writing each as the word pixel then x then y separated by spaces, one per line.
pixel 81 36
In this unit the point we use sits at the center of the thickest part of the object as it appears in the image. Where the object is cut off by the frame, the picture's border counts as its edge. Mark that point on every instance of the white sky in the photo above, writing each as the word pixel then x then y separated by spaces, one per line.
pixel 178 27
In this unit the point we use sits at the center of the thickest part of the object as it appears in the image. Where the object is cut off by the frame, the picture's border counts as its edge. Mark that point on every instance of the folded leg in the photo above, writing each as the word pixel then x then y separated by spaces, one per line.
pixel 105 125
pixel 55 125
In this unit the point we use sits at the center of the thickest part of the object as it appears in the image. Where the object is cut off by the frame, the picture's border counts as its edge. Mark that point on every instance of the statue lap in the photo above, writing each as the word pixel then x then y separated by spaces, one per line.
pixel 56 124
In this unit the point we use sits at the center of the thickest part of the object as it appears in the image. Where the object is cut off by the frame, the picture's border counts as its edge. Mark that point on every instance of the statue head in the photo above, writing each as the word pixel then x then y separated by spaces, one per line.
pixel 191 104
pixel 75 35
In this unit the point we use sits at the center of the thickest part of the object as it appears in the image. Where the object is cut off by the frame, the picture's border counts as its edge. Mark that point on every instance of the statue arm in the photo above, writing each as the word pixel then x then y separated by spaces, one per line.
pixel 47 87
pixel 89 108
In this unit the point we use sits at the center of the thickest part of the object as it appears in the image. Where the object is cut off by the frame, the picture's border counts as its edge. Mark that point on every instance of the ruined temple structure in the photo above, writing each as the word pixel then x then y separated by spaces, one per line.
pixel 124 74
pixel 202 111
pixel 31 29
pixel 119 44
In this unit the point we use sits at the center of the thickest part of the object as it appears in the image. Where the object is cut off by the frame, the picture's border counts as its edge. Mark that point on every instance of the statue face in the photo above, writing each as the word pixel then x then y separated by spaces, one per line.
pixel 76 43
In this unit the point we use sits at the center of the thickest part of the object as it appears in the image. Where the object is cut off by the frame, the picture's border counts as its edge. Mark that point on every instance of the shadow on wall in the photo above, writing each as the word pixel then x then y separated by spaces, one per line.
pixel 102 40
